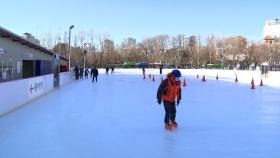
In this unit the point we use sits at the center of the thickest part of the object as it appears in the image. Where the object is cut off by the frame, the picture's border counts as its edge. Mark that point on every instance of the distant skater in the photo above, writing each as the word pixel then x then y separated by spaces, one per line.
pixel 160 69
pixel 94 74
pixel 170 91
pixel 91 72
pixel 86 73
pixel 82 73
pixel 107 70
pixel 112 69
pixel 76 69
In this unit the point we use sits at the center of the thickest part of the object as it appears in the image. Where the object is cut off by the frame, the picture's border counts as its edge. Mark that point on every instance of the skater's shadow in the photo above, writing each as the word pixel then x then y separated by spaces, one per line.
pixel 169 142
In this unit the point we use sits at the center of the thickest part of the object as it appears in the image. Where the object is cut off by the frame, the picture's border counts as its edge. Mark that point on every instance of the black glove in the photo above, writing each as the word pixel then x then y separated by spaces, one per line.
pixel 178 102
pixel 159 101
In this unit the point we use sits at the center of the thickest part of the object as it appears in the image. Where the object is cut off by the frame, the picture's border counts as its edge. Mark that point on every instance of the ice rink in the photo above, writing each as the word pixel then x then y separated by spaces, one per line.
pixel 119 117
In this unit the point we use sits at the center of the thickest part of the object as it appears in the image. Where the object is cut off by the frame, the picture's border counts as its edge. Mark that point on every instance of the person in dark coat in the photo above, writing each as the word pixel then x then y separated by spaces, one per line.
pixel 107 70
pixel 160 69
pixel 86 73
pixel 112 69
pixel 76 70
pixel 95 74
pixel 82 72
pixel 91 72
pixel 143 71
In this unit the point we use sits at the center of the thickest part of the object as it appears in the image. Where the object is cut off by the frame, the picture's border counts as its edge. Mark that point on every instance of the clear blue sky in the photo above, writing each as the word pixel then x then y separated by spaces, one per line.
pixel 139 19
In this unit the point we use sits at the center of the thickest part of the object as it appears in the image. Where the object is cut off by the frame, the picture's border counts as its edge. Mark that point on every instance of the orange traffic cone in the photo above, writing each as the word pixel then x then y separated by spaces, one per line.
pixel 261 84
pixel 236 80
pixel 185 83
pixel 153 78
pixel 253 84
pixel 217 77
pixel 203 78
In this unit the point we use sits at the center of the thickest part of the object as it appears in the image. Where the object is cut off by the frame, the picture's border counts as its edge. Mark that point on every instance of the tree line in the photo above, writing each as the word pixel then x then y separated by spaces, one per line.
pixel 179 50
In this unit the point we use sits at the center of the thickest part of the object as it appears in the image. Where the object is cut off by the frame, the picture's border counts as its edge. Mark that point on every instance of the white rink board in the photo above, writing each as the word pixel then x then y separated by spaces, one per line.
pixel 65 77
pixel 16 93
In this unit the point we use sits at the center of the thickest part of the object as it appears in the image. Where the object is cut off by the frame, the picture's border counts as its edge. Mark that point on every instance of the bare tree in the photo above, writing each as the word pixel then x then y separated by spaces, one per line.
pixel 176 50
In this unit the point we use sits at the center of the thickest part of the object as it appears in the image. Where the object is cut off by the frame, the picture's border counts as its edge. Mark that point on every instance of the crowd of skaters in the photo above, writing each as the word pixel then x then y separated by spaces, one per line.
pixel 160 70
pixel 81 72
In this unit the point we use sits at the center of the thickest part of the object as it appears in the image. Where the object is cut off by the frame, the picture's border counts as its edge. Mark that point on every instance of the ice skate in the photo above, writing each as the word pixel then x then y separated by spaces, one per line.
pixel 174 124
pixel 168 126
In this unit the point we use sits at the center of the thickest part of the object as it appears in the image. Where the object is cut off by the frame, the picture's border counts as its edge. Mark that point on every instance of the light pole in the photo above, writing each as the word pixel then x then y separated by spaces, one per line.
pixel 70 28
pixel 59 45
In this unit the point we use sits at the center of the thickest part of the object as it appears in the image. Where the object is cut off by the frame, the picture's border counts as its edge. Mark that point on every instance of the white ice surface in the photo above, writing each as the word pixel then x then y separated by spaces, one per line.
pixel 118 117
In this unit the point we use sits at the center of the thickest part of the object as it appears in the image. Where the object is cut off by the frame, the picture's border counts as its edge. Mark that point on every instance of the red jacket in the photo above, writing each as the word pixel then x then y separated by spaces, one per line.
pixel 169 89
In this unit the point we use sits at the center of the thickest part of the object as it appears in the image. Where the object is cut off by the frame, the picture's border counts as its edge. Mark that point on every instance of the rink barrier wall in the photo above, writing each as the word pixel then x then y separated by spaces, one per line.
pixel 17 93
pixel 66 77
pixel 244 76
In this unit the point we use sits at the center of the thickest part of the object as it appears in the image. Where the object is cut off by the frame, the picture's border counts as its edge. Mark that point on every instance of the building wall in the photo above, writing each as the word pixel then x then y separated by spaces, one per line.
pixel 131 43
pixel 63 62
pixel 108 46
pixel 16 52
pixel 272 28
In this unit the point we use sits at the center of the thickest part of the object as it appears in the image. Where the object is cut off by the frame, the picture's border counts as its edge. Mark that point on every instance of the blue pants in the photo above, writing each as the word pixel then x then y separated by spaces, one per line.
pixel 170 111
pixel 94 77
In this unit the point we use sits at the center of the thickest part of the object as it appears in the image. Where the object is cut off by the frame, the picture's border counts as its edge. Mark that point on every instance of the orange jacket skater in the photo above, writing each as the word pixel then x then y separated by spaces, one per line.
pixel 170 91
